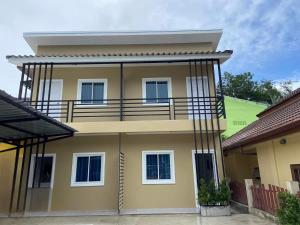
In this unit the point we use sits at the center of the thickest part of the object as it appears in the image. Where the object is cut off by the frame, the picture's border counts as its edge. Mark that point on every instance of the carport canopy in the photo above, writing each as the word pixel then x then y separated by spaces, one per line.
pixel 20 121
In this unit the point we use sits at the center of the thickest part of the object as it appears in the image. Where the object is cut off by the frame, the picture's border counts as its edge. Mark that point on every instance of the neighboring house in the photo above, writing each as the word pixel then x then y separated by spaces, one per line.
pixel 268 149
pixel 143 105
pixel 240 113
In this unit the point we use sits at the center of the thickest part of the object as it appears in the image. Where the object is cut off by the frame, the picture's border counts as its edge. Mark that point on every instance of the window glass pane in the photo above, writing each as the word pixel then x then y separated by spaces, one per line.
pixel 164 166
pixel 86 93
pixel 151 92
pixel 152 167
pixel 98 93
pixel 95 168
pixel 162 91
pixel 82 169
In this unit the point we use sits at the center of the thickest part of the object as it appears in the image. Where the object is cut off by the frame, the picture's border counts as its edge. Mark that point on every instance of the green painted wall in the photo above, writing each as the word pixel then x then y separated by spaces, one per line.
pixel 240 113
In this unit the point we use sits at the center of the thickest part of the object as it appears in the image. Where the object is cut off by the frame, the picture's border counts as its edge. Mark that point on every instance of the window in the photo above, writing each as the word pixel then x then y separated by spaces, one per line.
pixel 158 167
pixel 156 90
pixel 92 91
pixel 88 169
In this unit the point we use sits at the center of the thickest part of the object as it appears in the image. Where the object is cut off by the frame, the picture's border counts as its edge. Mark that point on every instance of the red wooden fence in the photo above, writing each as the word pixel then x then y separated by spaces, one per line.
pixel 238 192
pixel 266 199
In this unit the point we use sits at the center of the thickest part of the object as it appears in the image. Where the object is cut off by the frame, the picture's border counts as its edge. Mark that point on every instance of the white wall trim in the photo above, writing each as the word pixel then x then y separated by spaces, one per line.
pixel 89 183
pixel 105 88
pixel 169 81
pixel 158 211
pixel 172 167
pixel 211 151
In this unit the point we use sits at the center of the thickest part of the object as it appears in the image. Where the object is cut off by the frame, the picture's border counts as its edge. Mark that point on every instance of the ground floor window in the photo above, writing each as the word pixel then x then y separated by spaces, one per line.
pixel 88 169
pixel 295 168
pixel 158 167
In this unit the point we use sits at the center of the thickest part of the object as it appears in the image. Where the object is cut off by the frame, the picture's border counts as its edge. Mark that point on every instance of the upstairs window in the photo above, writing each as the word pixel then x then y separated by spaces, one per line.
pixel 156 90
pixel 88 169
pixel 158 167
pixel 92 91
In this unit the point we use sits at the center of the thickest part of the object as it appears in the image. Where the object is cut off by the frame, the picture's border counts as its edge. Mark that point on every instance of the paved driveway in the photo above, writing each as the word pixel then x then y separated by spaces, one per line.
pixel 178 219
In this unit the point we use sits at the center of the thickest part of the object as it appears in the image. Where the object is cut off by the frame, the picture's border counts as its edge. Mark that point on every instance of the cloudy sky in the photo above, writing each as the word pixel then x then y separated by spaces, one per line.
pixel 264 34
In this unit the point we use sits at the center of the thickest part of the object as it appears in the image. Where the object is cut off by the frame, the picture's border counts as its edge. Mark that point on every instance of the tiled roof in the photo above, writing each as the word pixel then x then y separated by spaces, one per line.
pixel 279 121
pixel 182 53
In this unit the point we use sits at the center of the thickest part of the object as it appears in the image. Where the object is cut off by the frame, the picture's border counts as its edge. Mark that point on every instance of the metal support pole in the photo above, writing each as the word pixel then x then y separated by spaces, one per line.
pixel 36 161
pixel 38 86
pixel 32 82
pixel 22 81
pixel 26 83
pixel 14 179
pixel 42 160
pixel 22 173
pixel 121 91
pixel 27 175
pixel 44 86
pixel 49 91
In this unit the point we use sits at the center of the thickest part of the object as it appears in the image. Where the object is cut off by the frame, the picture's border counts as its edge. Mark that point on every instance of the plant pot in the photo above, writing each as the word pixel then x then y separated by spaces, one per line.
pixel 215 210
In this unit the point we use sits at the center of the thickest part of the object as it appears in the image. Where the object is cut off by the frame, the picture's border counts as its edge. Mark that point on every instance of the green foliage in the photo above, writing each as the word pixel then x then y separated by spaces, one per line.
pixel 209 194
pixel 289 212
pixel 244 87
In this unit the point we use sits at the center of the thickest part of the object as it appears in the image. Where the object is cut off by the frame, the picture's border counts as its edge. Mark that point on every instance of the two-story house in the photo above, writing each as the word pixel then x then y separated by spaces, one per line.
pixel 148 109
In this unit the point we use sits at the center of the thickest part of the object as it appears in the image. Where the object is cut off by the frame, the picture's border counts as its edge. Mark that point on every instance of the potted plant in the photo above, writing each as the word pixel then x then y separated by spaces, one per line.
pixel 214 200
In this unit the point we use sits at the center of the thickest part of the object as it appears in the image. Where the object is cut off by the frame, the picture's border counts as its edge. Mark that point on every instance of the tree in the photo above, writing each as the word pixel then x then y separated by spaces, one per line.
pixel 244 87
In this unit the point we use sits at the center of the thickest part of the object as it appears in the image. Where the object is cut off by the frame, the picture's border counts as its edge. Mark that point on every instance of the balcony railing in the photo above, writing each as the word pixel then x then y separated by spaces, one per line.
pixel 132 109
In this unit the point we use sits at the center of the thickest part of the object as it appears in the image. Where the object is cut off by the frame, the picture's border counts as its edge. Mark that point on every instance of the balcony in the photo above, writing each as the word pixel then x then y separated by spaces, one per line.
pixel 137 114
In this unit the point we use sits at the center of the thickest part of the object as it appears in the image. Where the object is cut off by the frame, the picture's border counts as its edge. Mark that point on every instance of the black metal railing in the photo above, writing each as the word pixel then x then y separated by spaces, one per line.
pixel 133 108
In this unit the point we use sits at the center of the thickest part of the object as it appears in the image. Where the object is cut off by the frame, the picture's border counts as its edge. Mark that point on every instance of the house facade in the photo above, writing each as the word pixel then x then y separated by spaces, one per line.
pixel 148 114
pixel 268 149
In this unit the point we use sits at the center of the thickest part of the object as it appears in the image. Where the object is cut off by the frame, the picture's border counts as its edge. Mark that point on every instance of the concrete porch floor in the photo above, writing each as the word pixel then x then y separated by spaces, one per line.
pixel 172 219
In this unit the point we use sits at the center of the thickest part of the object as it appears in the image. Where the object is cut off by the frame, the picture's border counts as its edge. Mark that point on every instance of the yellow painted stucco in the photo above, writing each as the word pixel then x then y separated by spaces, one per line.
pixel 274 160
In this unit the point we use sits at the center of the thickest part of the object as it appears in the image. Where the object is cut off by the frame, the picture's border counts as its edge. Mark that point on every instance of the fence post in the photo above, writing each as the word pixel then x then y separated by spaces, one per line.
pixel 292 187
pixel 249 184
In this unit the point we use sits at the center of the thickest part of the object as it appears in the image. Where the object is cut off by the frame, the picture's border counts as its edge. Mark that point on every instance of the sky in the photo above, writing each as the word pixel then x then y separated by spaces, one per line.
pixel 264 35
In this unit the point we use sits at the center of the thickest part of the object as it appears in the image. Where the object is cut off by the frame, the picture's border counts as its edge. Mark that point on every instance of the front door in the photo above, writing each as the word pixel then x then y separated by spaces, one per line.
pixel 204 167
pixel 40 183
pixel 295 168
pixel 202 92
pixel 55 98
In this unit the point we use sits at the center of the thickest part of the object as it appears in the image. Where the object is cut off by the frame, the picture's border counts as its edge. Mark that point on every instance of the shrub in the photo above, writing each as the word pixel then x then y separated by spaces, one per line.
pixel 289 212
pixel 209 194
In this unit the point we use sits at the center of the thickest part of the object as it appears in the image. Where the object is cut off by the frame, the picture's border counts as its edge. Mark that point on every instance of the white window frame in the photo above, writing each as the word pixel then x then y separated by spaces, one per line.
pixel 158 181
pixel 79 90
pixel 213 152
pixel 88 183
pixel 145 80
pixel 32 166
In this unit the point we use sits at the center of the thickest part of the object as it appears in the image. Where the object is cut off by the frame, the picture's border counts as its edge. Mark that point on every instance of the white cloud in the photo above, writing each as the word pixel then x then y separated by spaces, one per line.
pixel 254 29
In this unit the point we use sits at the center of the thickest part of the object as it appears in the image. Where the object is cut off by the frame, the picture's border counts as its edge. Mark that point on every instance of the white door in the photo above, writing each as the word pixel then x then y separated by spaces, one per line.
pixel 55 98
pixel 203 106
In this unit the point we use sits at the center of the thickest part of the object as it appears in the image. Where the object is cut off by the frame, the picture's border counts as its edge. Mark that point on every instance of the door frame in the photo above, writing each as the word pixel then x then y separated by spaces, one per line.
pixel 32 163
pixel 188 94
pixel 211 151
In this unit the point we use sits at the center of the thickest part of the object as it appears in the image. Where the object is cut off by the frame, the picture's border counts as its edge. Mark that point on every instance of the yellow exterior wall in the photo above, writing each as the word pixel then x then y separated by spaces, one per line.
pixel 279 157
pixel 136 195
pixel 178 195
pixel 274 160
pixel 70 198
pixel 239 166
pixel 96 49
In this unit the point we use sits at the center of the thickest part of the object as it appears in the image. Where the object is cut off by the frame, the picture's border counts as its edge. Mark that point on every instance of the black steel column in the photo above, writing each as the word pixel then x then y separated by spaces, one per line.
pixel 14 178
pixel 49 91
pixel 32 83
pixel 218 121
pixel 21 82
pixel 38 87
pixel 211 120
pixel 121 91
pixel 194 124
pixel 27 81
pixel 35 161
pixel 42 160
pixel 27 175
pixel 44 86
pixel 22 173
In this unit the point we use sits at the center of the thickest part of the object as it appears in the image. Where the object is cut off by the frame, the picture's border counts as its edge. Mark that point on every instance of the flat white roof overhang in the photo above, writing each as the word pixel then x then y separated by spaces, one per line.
pixel 35 39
